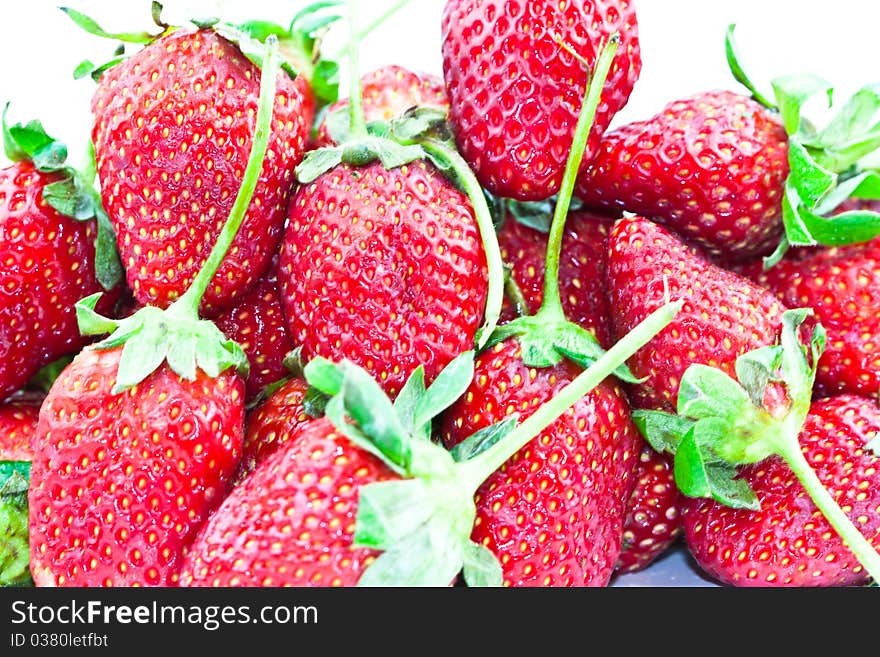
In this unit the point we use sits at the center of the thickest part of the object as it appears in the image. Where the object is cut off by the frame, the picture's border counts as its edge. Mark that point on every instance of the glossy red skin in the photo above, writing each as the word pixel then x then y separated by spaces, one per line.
pixel 385 268
pixel 712 167
pixel 47 264
pixel 553 514
pixel 653 517
pixel 291 522
pixel 842 286
pixel 388 92
pixel 272 424
pixel 120 484
pixel 514 116
pixel 724 315
pixel 258 325
pixel 581 269
pixel 168 194
pixel 18 426
pixel 789 542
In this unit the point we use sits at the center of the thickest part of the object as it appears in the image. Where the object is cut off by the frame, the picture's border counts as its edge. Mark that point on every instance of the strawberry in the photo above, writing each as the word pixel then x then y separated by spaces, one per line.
pixel 724 315
pixel 18 424
pixel 363 496
pixel 653 516
pixel 48 235
pixel 554 513
pixel 140 435
pixel 384 261
pixel 272 424
pixel 788 542
pixel 711 166
pixel 257 324
pixel 388 92
pixel 581 270
pixel 842 286
pixel 516 73
pixel 172 130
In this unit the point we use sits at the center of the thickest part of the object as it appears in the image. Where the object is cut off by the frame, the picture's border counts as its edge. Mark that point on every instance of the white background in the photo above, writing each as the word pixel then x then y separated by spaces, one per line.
pixel 682 46
pixel 682 50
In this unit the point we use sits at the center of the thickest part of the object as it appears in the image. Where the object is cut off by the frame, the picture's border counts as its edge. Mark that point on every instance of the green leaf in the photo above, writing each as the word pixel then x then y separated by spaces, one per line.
pixel 536 215
pixel 31 142
pixel 448 386
pixel 324 375
pixel 14 538
pixel 481 440
pixel 391 154
pixel 390 510
pixel 707 392
pixel 315 402
pixel 259 30
pixel 739 74
pixel 95 71
pixel 778 254
pixel 338 125
pixel 108 266
pixel 408 398
pixel 325 81
pixel 427 558
pixel 304 15
pixel 811 181
pixel 864 185
pixel 796 231
pixel 318 162
pixel 792 92
pixel 67 198
pixel 334 411
pixel 418 123
pixel 90 322
pixel 852 227
pixel 142 355
pixel 663 431
pixel 756 369
pixel 481 567
pixel 798 372
pixel 91 26
pixel 698 473
pixel 852 133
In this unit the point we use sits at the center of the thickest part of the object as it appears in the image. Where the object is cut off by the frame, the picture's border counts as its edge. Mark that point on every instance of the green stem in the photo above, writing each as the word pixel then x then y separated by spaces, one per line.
pixel 471 186
pixel 478 469
pixel 854 539
pixel 358 123
pixel 515 294
pixel 188 303
pixel 552 304
pixel 375 23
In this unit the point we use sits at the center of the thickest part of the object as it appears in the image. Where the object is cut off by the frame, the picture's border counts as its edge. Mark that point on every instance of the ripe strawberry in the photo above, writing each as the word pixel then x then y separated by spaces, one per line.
pixel 515 90
pixel 388 92
pixel 712 167
pixel 48 258
pixel 842 286
pixel 121 483
pixel 173 126
pixel 257 324
pixel 385 268
pixel 18 425
pixel 140 435
pixel 554 512
pixel 581 270
pixel 272 424
pixel 788 542
pixel 724 315
pixel 653 517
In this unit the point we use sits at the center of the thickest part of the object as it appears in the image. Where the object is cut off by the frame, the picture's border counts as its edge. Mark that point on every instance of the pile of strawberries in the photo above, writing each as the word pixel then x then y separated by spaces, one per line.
pixel 444 331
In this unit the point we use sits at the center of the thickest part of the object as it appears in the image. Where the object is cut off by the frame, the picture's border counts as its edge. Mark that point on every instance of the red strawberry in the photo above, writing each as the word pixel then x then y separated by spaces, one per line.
pixel 842 286
pixel 121 483
pixel 789 542
pixel 173 125
pixel 140 435
pixel 18 425
pixel 48 264
pixel 712 167
pixel 257 324
pixel 653 517
pixel 291 522
pixel 724 315
pixel 385 268
pixel 272 424
pixel 554 513
pixel 388 92
pixel 581 270
pixel 515 90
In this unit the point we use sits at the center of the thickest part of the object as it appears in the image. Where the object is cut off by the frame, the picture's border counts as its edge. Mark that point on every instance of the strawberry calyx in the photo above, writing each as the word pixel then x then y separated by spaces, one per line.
pixel 827 165
pixel 14 547
pixel 548 336
pixel 73 193
pixel 723 423
pixel 177 335
pixel 423 522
